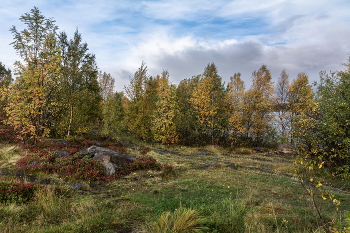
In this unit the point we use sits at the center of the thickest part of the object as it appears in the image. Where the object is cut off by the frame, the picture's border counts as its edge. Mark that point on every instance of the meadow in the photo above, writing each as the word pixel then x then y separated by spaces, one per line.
pixel 198 189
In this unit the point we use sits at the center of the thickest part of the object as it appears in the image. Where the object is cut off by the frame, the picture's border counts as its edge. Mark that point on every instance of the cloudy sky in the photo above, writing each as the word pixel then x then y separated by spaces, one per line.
pixel 183 36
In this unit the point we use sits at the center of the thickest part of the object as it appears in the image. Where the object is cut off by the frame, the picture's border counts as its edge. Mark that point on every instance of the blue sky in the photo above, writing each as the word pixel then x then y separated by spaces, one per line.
pixel 183 36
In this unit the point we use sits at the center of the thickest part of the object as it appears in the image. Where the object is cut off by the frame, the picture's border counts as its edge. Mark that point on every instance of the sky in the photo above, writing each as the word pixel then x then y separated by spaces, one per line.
pixel 184 36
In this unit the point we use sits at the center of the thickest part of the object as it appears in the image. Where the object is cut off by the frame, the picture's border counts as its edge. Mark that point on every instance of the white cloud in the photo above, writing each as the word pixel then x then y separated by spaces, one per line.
pixel 184 36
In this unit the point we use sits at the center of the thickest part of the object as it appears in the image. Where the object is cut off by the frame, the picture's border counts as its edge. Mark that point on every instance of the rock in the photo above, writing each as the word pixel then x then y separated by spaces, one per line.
pixel 109 168
pixel 96 143
pixel 207 165
pixel 95 132
pixel 22 175
pixel 45 181
pixel 112 160
pixel 232 166
pixel 58 141
pixel 35 163
pixel 260 150
pixel 203 152
pixel 77 186
pixel 61 153
pixel 284 149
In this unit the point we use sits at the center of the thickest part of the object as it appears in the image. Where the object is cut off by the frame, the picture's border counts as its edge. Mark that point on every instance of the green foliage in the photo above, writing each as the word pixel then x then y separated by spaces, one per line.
pixel 79 99
pixel 186 121
pixel 141 92
pixel 113 114
pixel 322 127
pixel 334 122
pixel 347 220
pixel 233 218
pixel 5 75
pixel 5 80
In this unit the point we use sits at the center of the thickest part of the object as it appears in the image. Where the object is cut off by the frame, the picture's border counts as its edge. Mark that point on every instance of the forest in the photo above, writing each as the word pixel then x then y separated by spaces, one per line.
pixel 59 92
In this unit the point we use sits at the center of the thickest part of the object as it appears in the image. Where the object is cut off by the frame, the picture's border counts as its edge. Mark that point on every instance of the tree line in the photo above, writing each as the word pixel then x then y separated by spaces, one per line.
pixel 203 110
pixel 60 92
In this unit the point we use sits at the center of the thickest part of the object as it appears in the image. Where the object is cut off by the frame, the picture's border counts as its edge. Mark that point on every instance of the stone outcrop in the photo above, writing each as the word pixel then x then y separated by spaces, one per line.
pixel 61 153
pixel 284 149
pixel 112 160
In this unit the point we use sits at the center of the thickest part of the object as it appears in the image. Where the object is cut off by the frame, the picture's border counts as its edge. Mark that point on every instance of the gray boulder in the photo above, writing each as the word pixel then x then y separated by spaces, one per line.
pixel 260 150
pixel 112 160
pixel 284 149
pixel 61 153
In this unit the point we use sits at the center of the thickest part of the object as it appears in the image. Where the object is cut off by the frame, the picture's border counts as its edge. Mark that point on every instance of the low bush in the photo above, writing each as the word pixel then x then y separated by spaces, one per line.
pixel 168 171
pixel 16 191
pixel 72 167
pixel 144 162
pixel 82 168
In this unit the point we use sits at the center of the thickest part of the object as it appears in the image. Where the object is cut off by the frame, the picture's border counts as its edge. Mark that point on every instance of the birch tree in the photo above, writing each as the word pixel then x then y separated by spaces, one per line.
pixel 106 82
pixel 282 106
pixel 79 92
pixel 166 109
pixel 208 101
pixel 31 97
pixel 235 101
pixel 300 100
pixel 258 105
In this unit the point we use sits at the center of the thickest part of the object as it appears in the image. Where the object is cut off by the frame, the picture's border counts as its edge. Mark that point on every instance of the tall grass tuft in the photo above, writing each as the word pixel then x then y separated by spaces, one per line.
pixel 8 151
pixel 243 151
pixel 233 219
pixel 49 207
pixel 182 220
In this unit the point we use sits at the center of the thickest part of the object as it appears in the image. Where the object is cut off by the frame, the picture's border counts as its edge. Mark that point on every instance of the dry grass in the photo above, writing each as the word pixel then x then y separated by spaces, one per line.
pixel 258 192
pixel 182 220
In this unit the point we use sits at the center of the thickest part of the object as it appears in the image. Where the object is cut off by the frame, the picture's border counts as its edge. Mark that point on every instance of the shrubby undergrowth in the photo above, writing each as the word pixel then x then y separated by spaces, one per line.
pixel 16 191
pixel 41 159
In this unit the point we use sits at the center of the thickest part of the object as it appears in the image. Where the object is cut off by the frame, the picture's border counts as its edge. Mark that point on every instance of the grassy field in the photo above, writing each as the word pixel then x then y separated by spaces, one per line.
pixel 210 189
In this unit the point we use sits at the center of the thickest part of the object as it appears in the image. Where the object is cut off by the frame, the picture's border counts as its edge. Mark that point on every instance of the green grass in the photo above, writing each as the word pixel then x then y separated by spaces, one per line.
pixel 260 193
